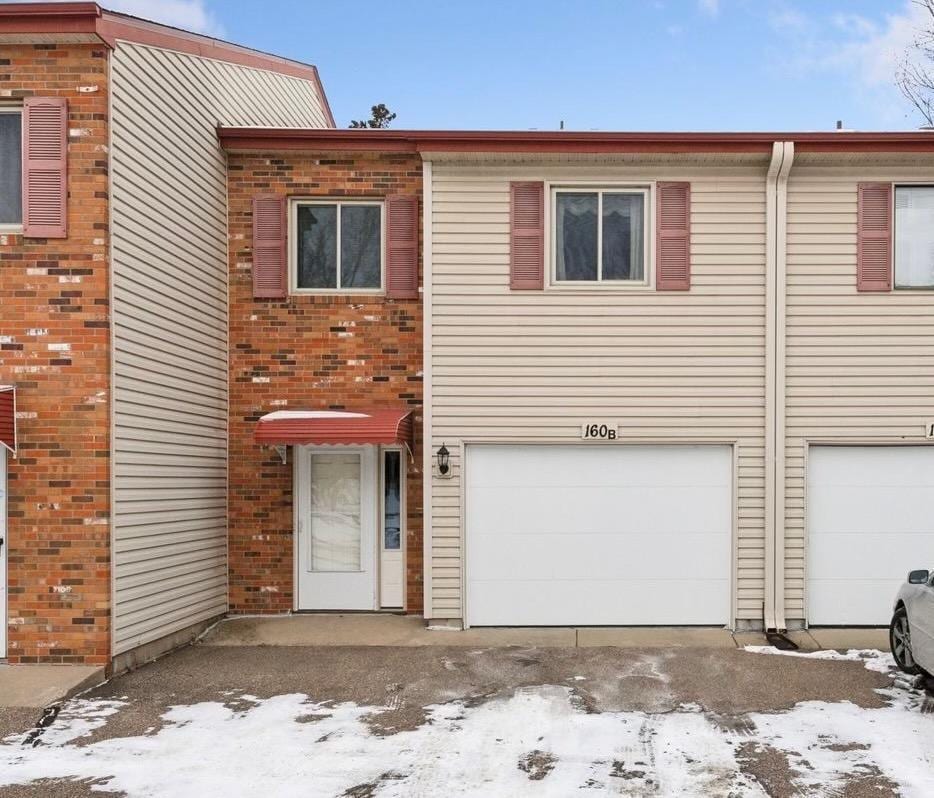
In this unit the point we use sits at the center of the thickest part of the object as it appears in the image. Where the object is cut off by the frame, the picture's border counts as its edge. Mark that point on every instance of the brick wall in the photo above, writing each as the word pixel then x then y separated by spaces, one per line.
pixel 54 347
pixel 310 352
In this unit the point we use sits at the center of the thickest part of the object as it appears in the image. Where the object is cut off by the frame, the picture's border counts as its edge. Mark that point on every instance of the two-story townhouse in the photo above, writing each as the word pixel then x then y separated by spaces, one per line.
pixel 113 323
pixel 668 378
pixel 683 379
pixel 325 378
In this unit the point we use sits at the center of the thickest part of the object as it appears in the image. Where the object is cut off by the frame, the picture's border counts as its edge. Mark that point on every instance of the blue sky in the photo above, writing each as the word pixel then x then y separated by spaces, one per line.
pixel 596 64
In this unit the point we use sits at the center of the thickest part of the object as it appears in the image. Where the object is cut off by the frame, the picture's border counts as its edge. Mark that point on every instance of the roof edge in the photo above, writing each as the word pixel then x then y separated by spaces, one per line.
pixel 112 26
pixel 417 141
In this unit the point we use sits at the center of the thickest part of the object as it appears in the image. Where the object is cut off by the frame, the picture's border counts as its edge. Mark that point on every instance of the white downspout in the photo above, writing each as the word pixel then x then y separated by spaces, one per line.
pixel 776 206
pixel 771 289
pixel 781 337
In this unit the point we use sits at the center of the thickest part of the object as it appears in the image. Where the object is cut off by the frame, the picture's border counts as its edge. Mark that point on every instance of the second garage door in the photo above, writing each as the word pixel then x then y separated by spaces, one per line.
pixel 870 521
pixel 569 535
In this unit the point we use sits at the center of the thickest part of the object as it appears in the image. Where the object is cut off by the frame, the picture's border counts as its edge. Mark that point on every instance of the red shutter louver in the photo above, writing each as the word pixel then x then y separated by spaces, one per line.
pixel 527 236
pixel 874 237
pixel 8 417
pixel 673 237
pixel 270 275
pixel 45 172
pixel 402 246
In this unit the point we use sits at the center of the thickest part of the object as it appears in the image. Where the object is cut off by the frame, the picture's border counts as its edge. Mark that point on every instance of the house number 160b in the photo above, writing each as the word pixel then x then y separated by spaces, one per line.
pixel 598 431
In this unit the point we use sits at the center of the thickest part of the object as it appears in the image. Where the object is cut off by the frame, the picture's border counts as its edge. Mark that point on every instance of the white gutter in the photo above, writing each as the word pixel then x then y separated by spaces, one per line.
pixel 776 195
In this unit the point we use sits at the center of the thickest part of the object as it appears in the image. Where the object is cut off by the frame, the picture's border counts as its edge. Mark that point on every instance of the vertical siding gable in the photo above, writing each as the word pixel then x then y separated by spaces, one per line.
pixel 169 206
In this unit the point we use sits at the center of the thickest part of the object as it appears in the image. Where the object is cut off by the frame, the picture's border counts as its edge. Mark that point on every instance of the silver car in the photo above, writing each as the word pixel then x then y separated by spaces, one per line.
pixel 911 633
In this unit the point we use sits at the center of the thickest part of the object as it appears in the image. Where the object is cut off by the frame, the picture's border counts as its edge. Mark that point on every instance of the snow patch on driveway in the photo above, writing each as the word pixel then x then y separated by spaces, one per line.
pixel 872 659
pixel 534 741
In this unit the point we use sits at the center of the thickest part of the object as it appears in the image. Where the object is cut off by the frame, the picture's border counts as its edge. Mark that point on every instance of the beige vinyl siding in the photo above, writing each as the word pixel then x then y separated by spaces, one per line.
pixel 860 366
pixel 531 366
pixel 169 225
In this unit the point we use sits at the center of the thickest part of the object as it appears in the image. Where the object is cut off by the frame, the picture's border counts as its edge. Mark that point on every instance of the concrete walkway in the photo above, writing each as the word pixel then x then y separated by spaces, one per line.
pixel 400 630
pixel 37 686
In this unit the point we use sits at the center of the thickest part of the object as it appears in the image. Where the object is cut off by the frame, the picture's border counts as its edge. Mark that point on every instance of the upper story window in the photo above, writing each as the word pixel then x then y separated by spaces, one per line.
pixel 600 235
pixel 339 246
pixel 11 167
pixel 914 236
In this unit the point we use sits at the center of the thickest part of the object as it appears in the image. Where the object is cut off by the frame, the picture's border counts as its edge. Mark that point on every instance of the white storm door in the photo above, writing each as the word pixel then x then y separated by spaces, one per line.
pixel 337 528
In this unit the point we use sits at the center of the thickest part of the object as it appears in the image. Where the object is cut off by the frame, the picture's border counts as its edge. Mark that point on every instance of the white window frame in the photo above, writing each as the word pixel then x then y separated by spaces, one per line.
pixel 895 285
pixel 383 450
pixel 648 221
pixel 381 522
pixel 14 227
pixel 294 205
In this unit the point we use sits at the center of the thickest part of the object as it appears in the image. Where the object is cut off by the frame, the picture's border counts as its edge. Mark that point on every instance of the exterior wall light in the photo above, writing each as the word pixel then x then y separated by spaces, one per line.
pixel 444 457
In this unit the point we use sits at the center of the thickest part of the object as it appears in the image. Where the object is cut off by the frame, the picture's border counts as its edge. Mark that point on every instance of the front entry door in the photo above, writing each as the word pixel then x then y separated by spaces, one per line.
pixel 336 522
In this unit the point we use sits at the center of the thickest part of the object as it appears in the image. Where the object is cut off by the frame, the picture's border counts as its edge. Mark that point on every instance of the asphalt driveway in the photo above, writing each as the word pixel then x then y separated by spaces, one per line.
pixel 402 721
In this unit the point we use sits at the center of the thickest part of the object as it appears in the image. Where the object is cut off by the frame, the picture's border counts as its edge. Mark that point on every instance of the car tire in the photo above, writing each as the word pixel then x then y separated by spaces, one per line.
pixel 900 642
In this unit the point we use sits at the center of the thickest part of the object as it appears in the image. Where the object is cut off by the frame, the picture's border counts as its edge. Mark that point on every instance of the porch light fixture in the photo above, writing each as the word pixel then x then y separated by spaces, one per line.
pixel 443 457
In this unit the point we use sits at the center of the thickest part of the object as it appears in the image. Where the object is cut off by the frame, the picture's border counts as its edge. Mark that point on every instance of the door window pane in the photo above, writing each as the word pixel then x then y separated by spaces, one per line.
pixel 914 236
pixel 317 246
pixel 360 246
pixel 392 501
pixel 11 168
pixel 622 236
pixel 576 236
pixel 335 512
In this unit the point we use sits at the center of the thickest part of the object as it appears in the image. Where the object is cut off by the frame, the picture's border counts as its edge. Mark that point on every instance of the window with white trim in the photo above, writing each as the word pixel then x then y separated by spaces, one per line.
pixel 914 236
pixel 11 167
pixel 599 235
pixel 338 246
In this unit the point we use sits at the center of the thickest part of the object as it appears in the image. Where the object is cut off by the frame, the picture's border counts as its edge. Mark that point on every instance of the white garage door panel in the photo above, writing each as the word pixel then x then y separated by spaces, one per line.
pixel 870 521
pixel 586 556
pixel 599 603
pixel 609 508
pixel 598 535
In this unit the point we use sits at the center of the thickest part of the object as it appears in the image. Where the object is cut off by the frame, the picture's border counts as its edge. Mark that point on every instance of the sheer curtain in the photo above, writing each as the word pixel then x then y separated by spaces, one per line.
pixel 576 236
pixel 914 236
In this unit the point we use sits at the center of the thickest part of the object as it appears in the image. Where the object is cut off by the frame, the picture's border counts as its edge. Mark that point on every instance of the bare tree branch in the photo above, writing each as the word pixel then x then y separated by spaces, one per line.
pixel 915 74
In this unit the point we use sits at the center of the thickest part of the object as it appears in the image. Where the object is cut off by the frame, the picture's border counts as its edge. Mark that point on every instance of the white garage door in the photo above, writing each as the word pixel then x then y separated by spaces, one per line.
pixel 870 521
pixel 598 535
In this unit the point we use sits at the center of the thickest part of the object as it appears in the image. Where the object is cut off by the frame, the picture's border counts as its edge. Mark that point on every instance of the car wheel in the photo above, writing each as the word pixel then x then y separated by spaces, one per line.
pixel 900 642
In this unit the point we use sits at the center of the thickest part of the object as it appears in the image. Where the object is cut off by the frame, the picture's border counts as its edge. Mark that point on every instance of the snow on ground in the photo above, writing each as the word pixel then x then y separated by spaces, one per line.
pixel 872 659
pixel 535 741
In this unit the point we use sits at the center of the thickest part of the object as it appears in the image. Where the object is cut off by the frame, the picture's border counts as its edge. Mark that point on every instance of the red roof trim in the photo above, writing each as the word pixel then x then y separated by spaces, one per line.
pixel 255 138
pixel 8 417
pixel 322 427
pixel 110 26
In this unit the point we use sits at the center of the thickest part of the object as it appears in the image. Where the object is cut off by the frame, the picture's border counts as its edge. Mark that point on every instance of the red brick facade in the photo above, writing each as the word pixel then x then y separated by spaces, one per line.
pixel 54 339
pixel 310 352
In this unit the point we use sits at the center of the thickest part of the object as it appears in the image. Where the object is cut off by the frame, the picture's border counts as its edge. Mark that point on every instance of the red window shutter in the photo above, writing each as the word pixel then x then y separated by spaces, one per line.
pixel 8 417
pixel 402 246
pixel 270 272
pixel 874 237
pixel 45 172
pixel 673 237
pixel 527 236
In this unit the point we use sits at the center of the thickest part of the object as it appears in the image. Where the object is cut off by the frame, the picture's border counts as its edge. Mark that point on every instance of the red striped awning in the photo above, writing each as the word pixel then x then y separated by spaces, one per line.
pixel 293 427
pixel 8 417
